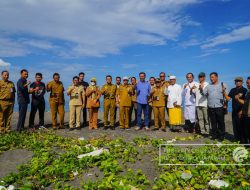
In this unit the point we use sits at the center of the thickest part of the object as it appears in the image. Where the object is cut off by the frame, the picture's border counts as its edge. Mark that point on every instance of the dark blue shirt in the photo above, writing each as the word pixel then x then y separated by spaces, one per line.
pixel 38 95
pixel 237 107
pixel 22 92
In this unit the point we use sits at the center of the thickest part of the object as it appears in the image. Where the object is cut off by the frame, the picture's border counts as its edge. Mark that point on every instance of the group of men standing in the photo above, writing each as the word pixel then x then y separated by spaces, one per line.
pixel 204 104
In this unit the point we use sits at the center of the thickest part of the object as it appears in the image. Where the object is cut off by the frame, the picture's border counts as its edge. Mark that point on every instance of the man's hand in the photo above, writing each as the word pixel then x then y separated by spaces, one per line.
pixel 193 87
pixel 117 104
pixel 223 89
pixel 175 104
pixel 185 85
pixel 237 97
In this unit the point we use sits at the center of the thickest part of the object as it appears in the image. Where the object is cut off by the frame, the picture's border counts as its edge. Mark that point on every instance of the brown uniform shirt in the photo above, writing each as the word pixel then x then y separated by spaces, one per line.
pixel 92 96
pixel 158 97
pixel 7 91
pixel 56 91
pixel 134 95
pixel 110 91
pixel 125 95
pixel 165 84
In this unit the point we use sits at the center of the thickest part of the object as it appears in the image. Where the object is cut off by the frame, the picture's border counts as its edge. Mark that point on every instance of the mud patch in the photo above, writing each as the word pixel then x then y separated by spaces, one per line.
pixel 10 159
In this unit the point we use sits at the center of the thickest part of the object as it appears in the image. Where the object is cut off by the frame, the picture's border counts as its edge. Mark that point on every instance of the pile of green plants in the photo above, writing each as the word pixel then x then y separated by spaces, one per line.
pixel 55 164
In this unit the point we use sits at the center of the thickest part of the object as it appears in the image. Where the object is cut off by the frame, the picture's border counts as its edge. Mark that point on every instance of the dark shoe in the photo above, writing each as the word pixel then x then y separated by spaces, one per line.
pixel 155 129
pixel 55 128
pixel 71 129
pixel 105 127
pixel 112 127
pixel 61 127
pixel 78 128
pixel 164 129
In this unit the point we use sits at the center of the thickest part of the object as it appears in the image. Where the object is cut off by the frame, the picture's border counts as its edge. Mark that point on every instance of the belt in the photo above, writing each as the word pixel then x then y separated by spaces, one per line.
pixel 7 100
pixel 54 95
pixel 109 98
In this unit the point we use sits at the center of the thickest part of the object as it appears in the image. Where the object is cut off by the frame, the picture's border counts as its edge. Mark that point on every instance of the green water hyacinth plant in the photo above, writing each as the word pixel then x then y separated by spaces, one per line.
pixel 124 166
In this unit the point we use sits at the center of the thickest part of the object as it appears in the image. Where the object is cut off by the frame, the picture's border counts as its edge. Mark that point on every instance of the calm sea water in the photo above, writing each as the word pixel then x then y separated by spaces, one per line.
pixel 47 108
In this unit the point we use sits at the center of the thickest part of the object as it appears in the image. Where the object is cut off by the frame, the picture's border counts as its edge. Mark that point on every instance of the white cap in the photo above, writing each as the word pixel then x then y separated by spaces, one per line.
pixel 172 77
pixel 125 78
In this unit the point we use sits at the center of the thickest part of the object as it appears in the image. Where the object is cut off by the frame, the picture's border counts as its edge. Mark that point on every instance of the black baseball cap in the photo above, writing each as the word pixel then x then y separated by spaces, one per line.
pixel 202 74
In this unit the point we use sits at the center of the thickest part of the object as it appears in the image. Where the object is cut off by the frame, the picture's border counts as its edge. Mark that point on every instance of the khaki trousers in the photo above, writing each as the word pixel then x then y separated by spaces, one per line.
pixel 6 111
pixel 124 117
pixel 93 116
pixel 55 108
pixel 109 109
pixel 159 112
pixel 75 115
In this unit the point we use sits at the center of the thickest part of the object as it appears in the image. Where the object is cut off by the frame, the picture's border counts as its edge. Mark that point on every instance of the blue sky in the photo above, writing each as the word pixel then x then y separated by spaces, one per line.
pixel 124 37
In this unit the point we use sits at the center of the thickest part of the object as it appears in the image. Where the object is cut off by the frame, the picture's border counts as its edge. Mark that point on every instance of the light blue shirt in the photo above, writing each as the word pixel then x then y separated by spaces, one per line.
pixel 143 92
pixel 215 98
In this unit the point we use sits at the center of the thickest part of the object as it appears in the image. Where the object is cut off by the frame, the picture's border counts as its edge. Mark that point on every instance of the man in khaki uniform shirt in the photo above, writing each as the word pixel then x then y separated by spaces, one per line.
pixel 124 100
pixel 134 103
pixel 56 100
pixel 150 101
pixel 158 103
pixel 118 83
pixel 7 100
pixel 109 92
pixel 76 103
pixel 165 84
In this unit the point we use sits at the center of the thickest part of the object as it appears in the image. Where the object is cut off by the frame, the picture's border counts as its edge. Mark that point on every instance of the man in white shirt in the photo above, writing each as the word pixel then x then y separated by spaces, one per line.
pixel 189 102
pixel 174 93
pixel 201 104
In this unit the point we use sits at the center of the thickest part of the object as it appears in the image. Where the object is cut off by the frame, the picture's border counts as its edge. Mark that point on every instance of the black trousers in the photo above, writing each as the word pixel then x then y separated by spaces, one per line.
pixel 22 115
pixel 84 116
pixel 237 126
pixel 217 119
pixel 246 129
pixel 40 106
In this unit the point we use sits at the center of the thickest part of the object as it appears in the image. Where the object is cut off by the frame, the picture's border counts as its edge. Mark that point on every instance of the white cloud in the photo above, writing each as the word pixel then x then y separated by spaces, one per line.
pixel 236 35
pixel 4 63
pixel 92 28
pixel 208 52
pixel 39 44
pixel 11 48
pixel 191 42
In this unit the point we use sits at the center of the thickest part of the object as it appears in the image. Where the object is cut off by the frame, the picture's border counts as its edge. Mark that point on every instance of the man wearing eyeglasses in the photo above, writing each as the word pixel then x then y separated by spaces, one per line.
pixel 237 107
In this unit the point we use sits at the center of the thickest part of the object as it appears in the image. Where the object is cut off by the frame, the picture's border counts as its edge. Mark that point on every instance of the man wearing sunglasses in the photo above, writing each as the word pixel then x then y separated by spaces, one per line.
pixel 237 107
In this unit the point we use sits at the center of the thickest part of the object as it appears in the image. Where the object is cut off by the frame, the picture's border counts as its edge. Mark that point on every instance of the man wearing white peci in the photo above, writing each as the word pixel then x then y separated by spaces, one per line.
pixel 173 91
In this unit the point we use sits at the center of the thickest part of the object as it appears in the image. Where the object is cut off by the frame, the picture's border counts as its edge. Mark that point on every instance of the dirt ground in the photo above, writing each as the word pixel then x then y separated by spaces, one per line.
pixel 9 160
